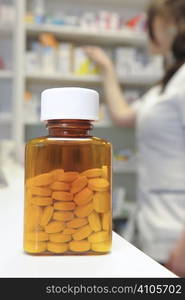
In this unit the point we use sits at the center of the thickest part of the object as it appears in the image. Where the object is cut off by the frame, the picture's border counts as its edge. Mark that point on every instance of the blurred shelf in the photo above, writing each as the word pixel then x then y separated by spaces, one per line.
pixel 127 170
pixel 122 37
pixel 129 206
pixel 40 76
pixel 125 166
pixel 96 126
pixel 5 118
pixel 139 80
pixel 6 74
pixel 123 3
pixel 6 30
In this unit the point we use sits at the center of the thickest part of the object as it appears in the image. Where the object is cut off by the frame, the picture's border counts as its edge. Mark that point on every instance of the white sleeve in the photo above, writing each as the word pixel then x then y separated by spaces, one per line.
pixel 139 103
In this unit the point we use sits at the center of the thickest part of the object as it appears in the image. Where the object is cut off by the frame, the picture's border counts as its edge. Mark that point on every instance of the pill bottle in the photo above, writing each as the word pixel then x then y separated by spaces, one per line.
pixel 68 183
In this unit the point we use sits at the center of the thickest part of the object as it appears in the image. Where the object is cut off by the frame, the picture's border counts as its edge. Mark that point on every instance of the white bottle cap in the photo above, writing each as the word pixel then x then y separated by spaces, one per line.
pixel 69 103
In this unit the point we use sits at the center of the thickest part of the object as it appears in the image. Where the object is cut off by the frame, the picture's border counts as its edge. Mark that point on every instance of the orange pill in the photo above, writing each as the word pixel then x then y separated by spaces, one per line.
pixel 82 233
pixel 101 202
pixel 40 191
pixel 68 176
pixel 106 221
pixel 64 205
pixel 79 246
pixel 42 201
pixel 84 211
pixel 98 237
pixel 83 197
pixel 60 186
pixel 63 216
pixel 95 221
pixel 55 227
pixel 59 237
pixel 33 217
pixel 77 222
pixel 98 184
pixel 40 180
pixel 69 231
pixel 57 247
pixel 62 196
pixel 28 196
pixel 39 236
pixel 101 247
pixel 57 173
pixel 91 173
pixel 47 215
pixel 105 172
pixel 32 247
pixel 79 184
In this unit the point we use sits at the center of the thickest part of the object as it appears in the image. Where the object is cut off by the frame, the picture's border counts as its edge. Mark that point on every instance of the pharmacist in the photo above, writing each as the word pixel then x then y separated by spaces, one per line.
pixel 160 121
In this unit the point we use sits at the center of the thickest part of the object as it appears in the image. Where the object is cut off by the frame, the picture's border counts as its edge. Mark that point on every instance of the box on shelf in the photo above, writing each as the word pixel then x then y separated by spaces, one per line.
pixel 118 202
pixel 31 108
pixel 82 64
pixel 49 56
pixel 85 19
pixel 48 59
pixel 134 62
pixel 32 61
pixel 2 63
pixel 125 160
pixel 39 11
pixel 65 58
pixel 7 14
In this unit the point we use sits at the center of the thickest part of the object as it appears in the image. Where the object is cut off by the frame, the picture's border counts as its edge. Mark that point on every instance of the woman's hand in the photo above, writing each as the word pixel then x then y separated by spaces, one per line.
pixel 122 114
pixel 99 56
pixel 176 262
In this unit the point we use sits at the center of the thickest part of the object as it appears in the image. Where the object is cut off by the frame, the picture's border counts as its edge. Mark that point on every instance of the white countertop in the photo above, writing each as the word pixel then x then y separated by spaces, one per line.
pixel 124 260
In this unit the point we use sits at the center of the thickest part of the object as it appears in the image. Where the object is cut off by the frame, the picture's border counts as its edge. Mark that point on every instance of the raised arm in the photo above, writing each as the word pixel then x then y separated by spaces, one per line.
pixel 122 113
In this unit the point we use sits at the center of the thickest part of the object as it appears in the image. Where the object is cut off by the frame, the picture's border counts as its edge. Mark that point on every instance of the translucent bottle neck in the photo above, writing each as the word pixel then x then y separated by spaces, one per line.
pixel 69 128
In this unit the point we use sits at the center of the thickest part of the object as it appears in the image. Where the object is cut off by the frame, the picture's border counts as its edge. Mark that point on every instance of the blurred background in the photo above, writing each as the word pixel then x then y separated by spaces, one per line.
pixel 41 46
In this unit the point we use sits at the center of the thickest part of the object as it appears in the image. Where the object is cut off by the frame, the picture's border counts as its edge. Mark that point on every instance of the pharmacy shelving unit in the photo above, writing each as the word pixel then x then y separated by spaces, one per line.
pixel 6 30
pixel 40 80
pixel 24 31
pixel 123 37
pixel 137 81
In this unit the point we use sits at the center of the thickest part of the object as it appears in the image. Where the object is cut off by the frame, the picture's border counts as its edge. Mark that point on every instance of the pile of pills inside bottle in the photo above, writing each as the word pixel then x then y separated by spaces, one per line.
pixel 68 212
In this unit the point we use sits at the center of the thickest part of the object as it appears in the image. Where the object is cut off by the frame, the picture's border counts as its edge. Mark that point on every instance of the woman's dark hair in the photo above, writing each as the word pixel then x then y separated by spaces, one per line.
pixel 170 10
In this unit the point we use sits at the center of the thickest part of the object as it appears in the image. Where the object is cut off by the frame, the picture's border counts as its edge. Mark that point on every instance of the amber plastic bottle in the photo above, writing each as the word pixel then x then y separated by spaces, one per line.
pixel 68 180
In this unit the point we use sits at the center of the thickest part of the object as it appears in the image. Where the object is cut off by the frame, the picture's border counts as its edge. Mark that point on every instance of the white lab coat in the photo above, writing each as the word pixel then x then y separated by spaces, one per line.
pixel 160 214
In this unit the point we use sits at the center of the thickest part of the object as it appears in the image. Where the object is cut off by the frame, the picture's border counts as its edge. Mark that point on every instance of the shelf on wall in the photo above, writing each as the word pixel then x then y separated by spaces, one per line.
pixel 112 37
pixel 128 166
pixel 5 118
pixel 127 170
pixel 6 74
pixel 139 80
pixel 6 30
pixel 104 125
pixel 41 76
pixel 124 3
pixel 128 208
